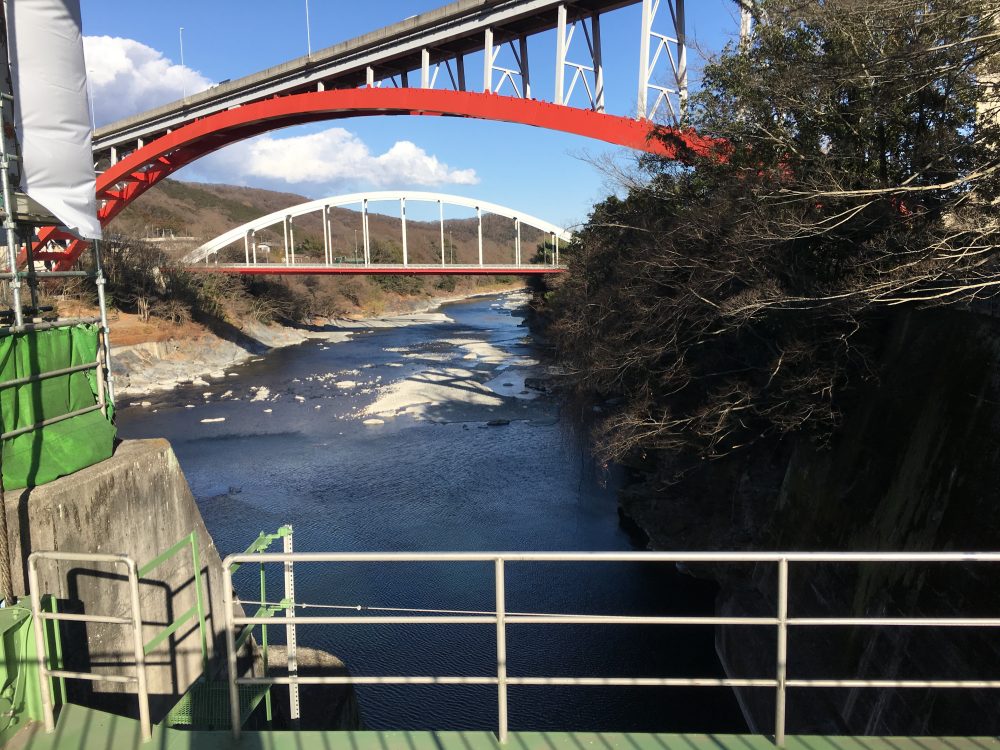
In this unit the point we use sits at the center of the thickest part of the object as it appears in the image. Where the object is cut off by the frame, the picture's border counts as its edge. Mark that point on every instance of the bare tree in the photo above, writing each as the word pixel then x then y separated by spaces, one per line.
pixel 740 294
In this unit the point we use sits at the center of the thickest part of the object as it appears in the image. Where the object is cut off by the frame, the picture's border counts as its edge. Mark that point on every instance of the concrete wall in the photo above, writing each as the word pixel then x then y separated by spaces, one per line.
pixel 138 503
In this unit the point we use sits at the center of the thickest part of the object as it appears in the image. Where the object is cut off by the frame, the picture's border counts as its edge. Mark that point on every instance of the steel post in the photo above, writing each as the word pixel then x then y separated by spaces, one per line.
pixel 460 68
pixel 598 57
pixel 246 247
pixel 647 25
pixel 365 238
pixel 517 241
pixel 38 625
pixel 291 237
pixel 292 644
pixel 402 219
pixel 488 61
pixel 425 68
pixel 326 236
pixel 479 218
pixel 102 303
pixel 285 225
pixel 441 216
pixel 560 84
pixel 235 721
pixel 525 70
pixel 501 651
pixel 782 654
pixel 6 102
pixel 140 652
pixel 680 32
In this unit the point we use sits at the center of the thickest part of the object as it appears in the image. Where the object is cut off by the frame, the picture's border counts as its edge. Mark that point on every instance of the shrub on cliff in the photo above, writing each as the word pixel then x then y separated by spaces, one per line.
pixel 856 172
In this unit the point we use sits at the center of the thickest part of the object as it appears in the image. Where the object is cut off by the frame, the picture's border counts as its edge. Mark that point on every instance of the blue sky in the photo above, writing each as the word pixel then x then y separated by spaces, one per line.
pixel 134 55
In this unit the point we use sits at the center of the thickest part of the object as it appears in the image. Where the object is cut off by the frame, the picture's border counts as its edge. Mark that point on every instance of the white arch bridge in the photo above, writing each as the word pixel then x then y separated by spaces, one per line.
pixel 257 261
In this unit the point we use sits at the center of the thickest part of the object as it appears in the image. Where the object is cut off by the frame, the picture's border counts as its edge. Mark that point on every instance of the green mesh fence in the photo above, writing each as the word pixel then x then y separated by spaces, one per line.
pixel 46 452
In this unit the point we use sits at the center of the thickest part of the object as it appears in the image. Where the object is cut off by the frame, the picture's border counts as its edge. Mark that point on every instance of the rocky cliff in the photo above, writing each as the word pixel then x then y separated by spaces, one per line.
pixel 913 466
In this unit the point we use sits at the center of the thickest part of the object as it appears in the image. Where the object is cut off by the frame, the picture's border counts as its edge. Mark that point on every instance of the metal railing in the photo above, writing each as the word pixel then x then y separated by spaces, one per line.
pixel 780 682
pixel 261 544
pixel 134 620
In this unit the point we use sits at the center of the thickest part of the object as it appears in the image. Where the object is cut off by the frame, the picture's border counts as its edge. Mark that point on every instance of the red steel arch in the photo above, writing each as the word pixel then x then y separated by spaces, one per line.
pixel 128 179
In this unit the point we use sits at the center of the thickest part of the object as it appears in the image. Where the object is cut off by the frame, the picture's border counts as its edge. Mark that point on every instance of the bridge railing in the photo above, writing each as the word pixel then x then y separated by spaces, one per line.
pixel 780 621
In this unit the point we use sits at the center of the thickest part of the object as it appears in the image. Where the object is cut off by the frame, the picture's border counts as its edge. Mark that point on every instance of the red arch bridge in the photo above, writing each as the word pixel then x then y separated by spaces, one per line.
pixel 416 67
pixel 257 258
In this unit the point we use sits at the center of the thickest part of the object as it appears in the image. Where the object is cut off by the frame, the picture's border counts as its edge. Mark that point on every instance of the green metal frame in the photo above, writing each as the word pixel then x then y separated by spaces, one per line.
pixel 198 610
pixel 206 704
pixel 262 543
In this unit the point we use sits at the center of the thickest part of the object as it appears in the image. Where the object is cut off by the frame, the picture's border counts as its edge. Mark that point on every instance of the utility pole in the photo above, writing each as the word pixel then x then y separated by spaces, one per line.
pixel 309 46
pixel 180 33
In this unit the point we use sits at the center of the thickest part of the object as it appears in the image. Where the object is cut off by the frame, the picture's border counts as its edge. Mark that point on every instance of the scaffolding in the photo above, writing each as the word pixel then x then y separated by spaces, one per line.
pixel 55 372
pixel 21 218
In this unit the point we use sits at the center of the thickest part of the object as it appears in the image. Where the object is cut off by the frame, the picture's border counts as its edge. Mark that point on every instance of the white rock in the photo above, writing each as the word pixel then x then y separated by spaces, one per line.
pixel 318 406
pixel 346 384
pixel 268 411
pixel 300 399
pixel 146 403
pixel 213 420
pixel 373 421
pixel 199 381
pixel 188 406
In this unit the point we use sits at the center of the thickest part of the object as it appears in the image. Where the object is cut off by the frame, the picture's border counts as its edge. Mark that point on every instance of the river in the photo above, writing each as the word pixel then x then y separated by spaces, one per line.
pixel 294 448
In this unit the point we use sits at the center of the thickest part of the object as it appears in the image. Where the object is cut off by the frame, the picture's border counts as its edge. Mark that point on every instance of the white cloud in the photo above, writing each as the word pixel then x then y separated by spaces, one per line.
pixel 128 77
pixel 333 158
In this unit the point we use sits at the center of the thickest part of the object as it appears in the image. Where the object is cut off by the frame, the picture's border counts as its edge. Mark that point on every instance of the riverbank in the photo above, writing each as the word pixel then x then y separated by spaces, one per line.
pixel 198 354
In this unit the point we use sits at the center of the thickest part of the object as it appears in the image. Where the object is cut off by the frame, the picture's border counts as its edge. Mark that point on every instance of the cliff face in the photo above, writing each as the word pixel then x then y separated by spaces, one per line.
pixel 913 466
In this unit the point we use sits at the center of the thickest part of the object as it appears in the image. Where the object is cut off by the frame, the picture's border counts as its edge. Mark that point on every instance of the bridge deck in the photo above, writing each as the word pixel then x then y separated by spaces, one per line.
pixel 280 269
pixel 86 728
pixel 446 32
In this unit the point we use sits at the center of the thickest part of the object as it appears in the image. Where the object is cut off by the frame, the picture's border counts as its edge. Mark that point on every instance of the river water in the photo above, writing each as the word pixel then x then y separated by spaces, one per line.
pixel 293 448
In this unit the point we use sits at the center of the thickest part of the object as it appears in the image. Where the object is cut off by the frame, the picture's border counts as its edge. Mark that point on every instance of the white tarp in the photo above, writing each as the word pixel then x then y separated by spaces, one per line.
pixel 51 110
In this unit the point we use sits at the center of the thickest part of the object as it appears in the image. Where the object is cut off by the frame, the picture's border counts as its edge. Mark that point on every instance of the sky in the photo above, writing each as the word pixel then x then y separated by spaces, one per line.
pixel 134 63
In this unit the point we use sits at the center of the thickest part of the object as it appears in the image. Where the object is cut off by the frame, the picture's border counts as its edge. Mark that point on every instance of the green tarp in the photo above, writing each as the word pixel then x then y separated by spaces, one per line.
pixel 45 453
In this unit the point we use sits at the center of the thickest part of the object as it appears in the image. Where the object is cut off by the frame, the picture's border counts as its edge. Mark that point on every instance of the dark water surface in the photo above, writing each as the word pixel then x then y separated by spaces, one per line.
pixel 417 485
